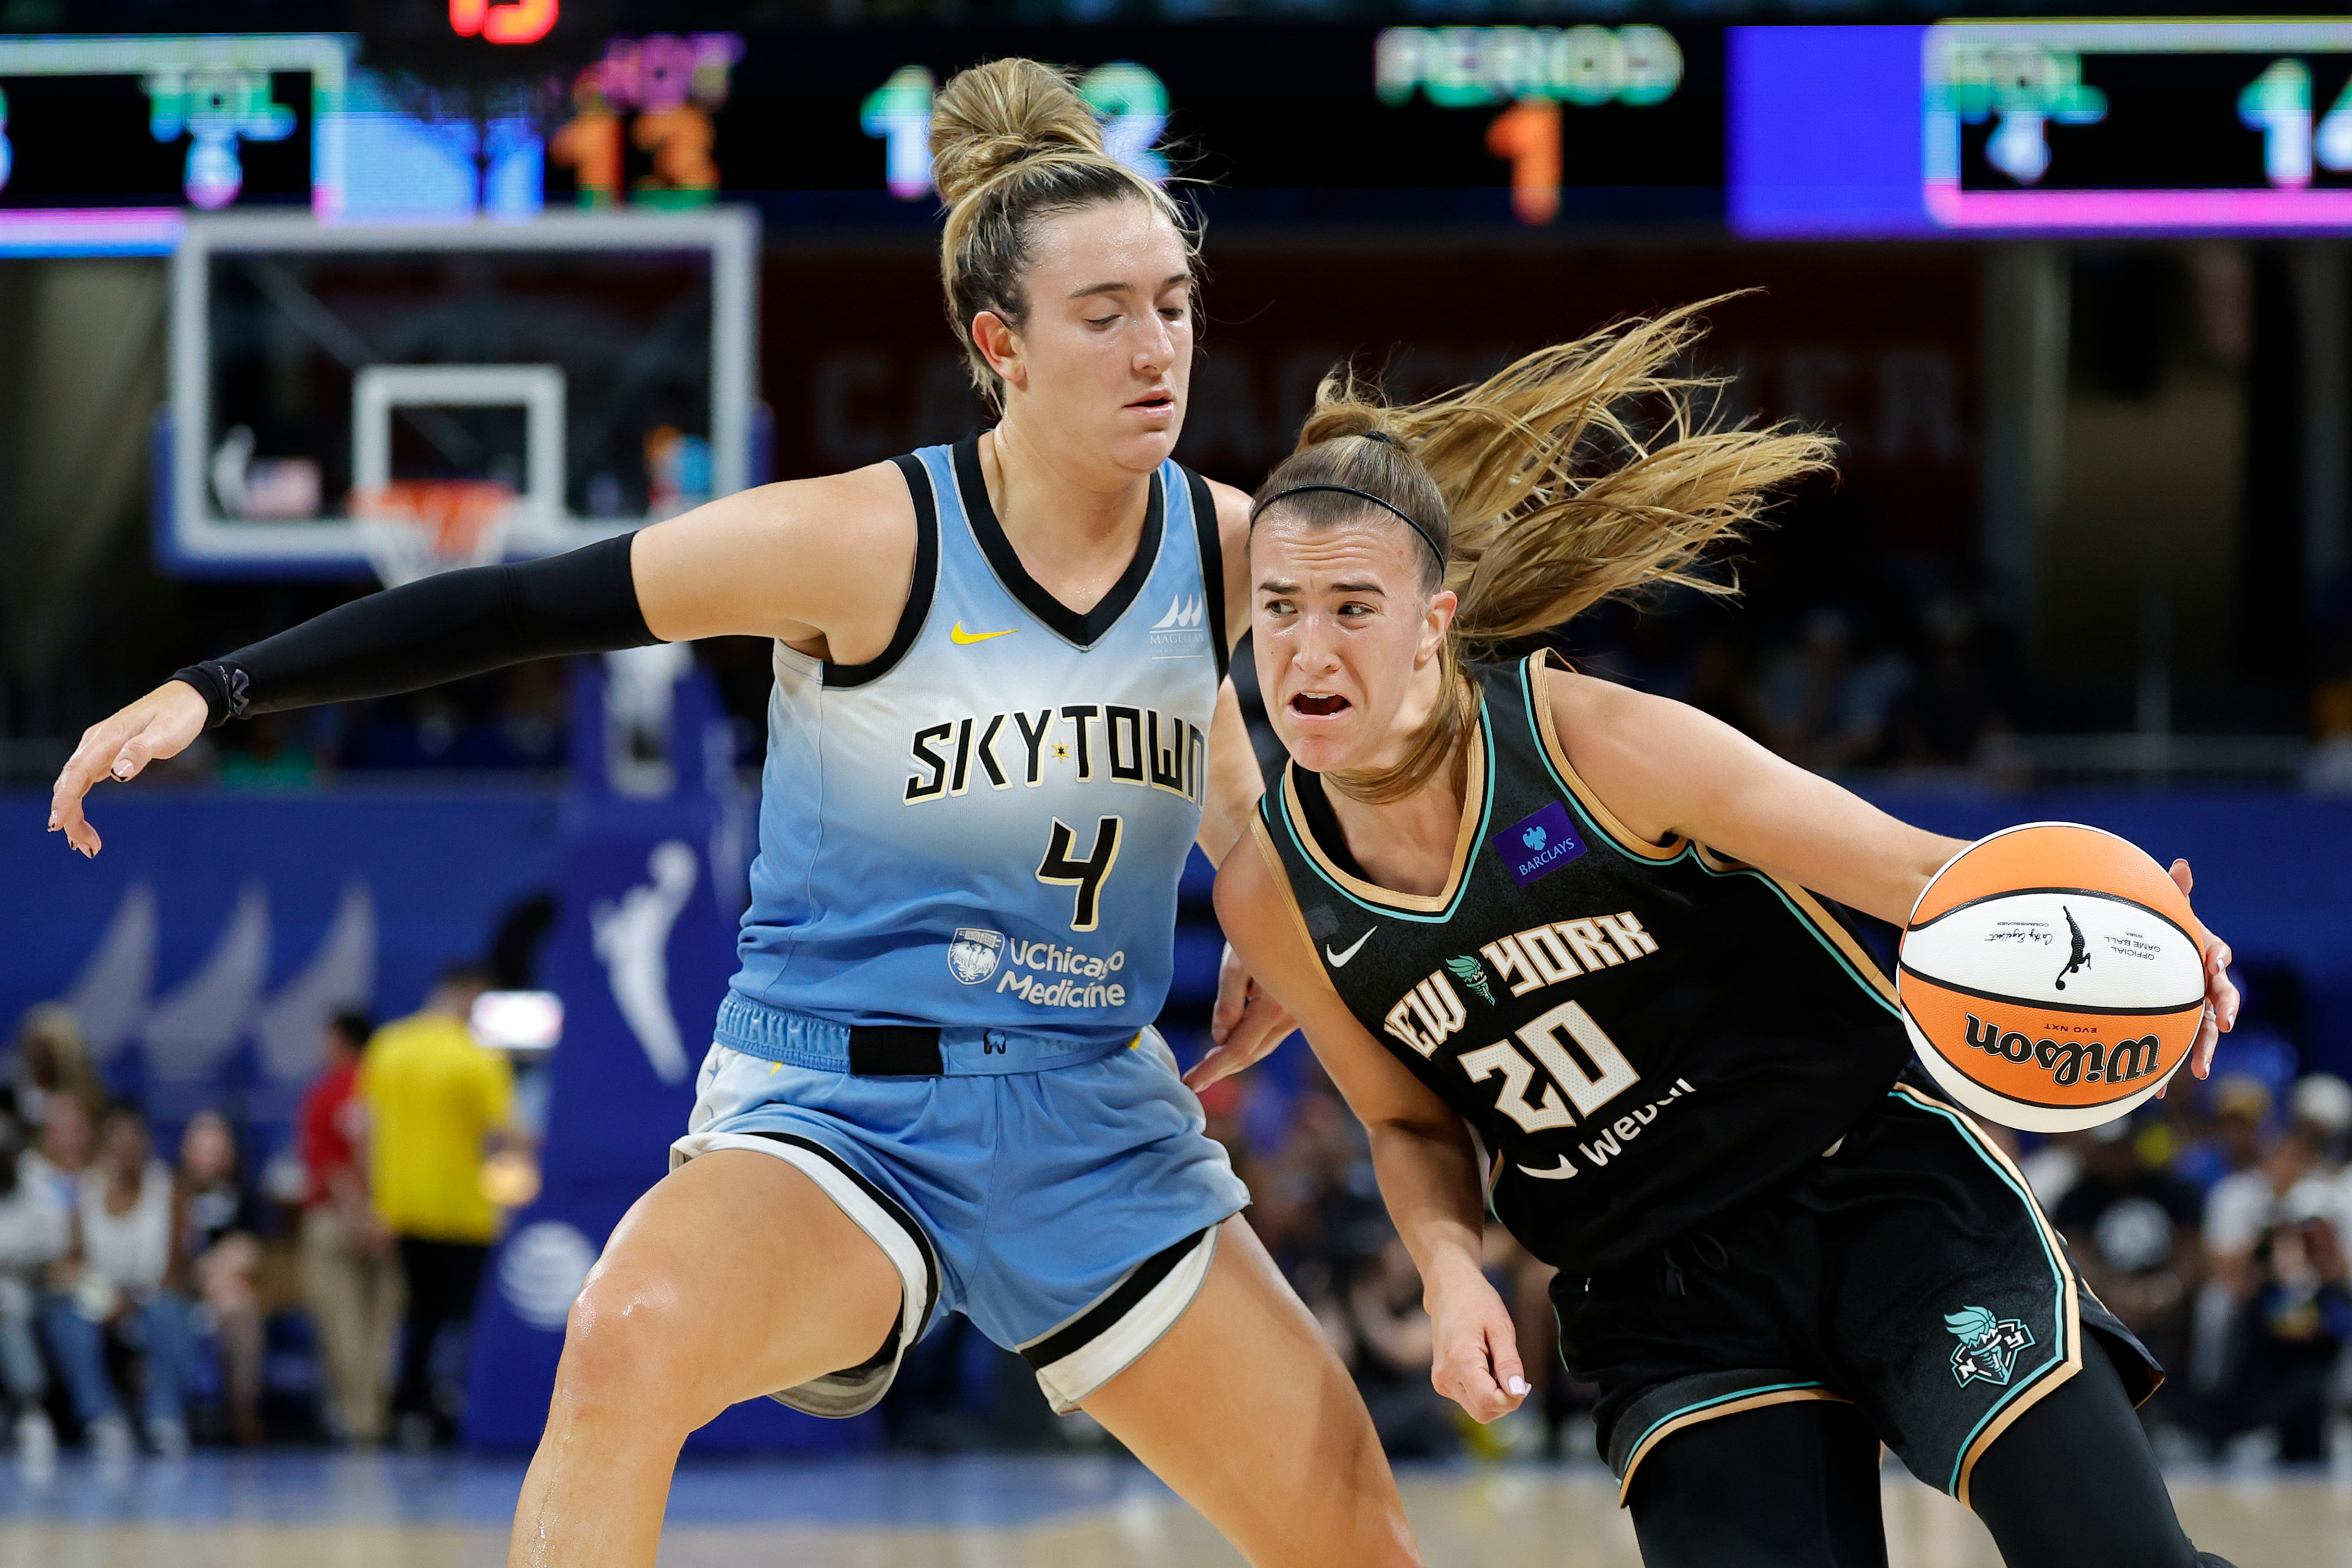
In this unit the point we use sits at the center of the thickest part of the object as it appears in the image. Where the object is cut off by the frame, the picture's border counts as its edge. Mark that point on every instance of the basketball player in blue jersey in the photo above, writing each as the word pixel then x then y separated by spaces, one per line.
pixel 935 1085
pixel 1533 919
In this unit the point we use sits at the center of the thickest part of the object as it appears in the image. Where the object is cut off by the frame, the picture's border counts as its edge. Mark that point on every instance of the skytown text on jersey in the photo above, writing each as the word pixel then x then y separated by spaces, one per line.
pixel 1104 741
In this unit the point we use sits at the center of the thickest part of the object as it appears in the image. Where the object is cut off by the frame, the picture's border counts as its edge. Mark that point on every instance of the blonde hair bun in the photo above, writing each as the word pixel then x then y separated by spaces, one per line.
pixel 991 118
pixel 1338 418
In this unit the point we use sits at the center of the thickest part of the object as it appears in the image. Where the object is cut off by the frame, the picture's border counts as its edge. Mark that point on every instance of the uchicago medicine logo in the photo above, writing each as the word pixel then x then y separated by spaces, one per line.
pixel 974 953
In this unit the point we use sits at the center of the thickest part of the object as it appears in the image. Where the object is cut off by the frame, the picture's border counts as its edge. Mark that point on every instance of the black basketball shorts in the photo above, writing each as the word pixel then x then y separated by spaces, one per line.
pixel 1907 1271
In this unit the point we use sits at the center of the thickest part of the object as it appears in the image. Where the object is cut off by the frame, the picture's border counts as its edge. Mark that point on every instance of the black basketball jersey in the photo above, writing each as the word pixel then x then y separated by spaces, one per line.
pixel 1643 1035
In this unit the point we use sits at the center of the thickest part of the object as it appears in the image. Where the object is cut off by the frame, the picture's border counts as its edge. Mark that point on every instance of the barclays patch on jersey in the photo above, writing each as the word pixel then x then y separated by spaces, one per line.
pixel 1535 847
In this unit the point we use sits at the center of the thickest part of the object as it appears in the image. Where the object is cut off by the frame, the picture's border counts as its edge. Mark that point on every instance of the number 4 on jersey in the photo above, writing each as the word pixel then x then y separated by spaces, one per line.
pixel 1088 874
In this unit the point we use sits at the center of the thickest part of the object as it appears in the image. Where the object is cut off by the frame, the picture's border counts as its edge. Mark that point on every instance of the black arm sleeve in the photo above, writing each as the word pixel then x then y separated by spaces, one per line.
pixel 441 628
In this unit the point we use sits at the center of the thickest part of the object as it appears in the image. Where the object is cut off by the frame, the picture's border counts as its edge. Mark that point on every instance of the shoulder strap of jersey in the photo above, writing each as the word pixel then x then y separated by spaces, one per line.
pixel 1499 686
pixel 919 591
pixel 1212 567
pixel 1266 805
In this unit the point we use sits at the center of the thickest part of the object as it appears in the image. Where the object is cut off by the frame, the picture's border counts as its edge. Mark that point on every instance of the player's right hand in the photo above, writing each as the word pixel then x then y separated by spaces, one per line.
pixel 2221 999
pixel 1244 1026
pixel 162 724
pixel 1475 1349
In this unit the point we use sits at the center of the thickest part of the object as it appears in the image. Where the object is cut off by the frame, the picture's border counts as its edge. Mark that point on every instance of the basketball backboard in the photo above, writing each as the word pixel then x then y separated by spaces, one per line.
pixel 600 365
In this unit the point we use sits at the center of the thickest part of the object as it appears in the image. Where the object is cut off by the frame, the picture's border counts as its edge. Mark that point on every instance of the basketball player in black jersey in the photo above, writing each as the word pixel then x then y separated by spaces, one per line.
pixel 1595 930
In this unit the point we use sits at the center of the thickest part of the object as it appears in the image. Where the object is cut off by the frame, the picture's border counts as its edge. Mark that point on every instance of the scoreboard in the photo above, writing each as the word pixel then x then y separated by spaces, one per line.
pixel 1958 129
pixel 2139 124
pixel 2041 128
pixel 104 141
pixel 1285 122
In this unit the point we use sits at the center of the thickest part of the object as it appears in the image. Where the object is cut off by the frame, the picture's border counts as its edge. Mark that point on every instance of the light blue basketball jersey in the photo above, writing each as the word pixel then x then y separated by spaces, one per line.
pixel 983 828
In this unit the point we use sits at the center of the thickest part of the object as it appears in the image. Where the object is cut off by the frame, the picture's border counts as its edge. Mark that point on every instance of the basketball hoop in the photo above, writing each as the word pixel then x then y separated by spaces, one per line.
pixel 414 528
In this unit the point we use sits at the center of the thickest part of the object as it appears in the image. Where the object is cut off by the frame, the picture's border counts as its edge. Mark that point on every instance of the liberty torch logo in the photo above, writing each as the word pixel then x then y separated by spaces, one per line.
pixel 1989 1346
pixel 1468 970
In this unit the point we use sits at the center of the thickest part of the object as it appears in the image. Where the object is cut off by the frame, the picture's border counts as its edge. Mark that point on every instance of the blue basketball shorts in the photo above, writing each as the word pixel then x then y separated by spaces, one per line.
pixel 1070 1213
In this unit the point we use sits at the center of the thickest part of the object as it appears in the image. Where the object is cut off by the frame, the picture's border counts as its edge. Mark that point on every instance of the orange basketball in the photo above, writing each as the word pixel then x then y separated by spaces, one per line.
pixel 2050 978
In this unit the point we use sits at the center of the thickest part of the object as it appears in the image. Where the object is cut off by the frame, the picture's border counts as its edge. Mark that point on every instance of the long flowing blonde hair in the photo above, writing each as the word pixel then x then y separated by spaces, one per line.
pixel 1582 472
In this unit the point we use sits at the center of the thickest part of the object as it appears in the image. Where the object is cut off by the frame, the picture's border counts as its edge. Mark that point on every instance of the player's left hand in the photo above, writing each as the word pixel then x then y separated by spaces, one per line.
pixel 2220 996
pixel 1246 1026
pixel 162 724
pixel 1475 1349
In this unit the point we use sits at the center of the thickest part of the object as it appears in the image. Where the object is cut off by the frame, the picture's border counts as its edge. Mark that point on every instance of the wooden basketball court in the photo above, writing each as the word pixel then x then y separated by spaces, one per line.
pixel 298 1511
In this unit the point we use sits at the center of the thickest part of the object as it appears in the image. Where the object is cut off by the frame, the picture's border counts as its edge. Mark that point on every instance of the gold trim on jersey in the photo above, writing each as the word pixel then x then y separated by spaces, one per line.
pixel 1810 908
pixel 2041 1386
pixel 1667 1428
pixel 1594 807
pixel 2027 1396
pixel 1802 900
pixel 1465 839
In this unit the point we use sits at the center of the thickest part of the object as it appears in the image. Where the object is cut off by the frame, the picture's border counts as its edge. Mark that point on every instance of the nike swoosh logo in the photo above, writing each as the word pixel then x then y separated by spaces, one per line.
pixel 963 638
pixel 1339 960
pixel 1567 1168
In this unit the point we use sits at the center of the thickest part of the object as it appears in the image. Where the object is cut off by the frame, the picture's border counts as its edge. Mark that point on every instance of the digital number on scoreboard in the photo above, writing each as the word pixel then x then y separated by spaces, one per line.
pixel 2138 125
pixel 104 139
pixel 1286 122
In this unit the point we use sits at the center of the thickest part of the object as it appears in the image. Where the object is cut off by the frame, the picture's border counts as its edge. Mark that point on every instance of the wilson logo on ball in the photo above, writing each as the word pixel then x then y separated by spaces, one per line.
pixel 2069 1062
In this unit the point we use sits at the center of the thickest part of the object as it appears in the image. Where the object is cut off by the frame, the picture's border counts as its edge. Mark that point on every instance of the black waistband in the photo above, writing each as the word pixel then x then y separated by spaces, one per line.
pixel 895 1050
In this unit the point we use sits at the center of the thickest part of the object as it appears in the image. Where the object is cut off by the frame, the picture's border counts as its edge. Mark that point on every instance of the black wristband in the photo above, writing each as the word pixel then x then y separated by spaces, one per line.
pixel 222 687
pixel 441 628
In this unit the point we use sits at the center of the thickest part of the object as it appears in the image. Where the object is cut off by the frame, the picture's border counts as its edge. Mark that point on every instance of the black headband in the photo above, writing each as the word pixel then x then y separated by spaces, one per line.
pixel 1401 515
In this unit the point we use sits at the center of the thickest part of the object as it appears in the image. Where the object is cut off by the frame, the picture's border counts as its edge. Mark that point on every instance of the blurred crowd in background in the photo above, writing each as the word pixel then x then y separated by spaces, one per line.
pixel 162 1286
pixel 165 1285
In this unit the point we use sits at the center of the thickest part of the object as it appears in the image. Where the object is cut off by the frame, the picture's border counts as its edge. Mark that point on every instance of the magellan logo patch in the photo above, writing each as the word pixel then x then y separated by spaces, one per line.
pixel 1184 613
pixel 1183 629
pixel 1535 847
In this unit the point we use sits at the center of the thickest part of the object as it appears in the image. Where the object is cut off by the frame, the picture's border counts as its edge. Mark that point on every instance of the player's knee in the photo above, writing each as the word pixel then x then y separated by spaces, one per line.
pixel 628 1346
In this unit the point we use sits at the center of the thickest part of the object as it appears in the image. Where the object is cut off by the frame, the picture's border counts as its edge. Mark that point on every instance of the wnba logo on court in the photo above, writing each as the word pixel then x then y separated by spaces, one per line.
pixel 974 953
